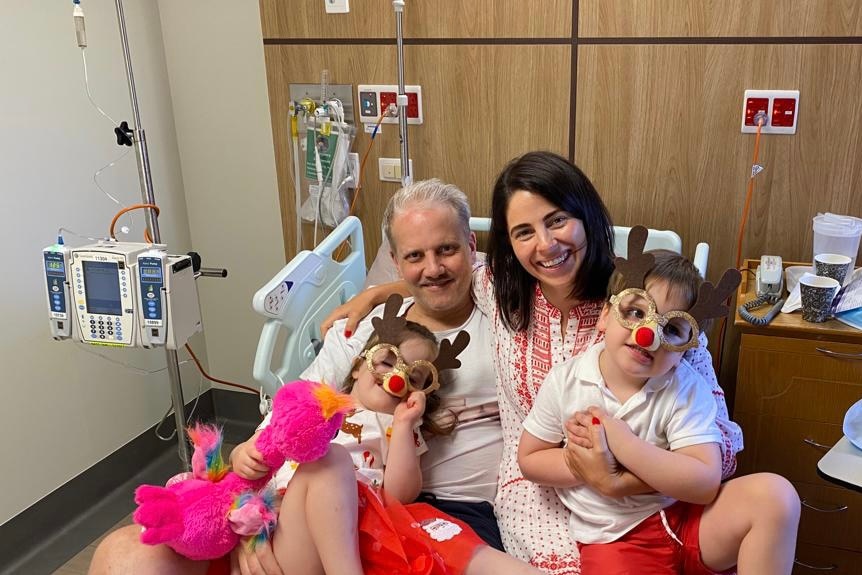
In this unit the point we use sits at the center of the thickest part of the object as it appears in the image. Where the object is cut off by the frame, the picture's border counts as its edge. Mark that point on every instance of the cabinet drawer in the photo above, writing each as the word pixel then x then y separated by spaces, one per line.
pixel 831 516
pixel 813 559
pixel 785 446
pixel 791 378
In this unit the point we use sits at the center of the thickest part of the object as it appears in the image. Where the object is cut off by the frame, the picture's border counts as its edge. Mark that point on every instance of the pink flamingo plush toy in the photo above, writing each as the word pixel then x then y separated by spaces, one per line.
pixel 203 517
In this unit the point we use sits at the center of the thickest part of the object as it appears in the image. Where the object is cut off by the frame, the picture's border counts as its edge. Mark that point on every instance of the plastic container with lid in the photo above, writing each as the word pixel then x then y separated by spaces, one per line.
pixel 835 234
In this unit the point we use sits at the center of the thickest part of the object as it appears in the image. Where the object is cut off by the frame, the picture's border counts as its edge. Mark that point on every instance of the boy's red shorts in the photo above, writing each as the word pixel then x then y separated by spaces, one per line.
pixel 649 549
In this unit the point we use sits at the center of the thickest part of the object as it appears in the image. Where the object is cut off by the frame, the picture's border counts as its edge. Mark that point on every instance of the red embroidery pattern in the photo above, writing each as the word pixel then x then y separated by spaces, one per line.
pixel 557 564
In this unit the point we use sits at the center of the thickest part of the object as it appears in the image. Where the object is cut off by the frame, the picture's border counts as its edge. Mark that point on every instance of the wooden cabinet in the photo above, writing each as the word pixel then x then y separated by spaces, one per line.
pixel 795 382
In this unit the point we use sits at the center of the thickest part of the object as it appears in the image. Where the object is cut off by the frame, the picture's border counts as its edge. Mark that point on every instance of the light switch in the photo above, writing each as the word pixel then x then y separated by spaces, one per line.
pixel 337 6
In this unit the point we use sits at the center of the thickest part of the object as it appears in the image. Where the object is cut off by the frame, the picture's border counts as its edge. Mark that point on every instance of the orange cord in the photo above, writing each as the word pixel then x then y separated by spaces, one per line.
pixel 153 207
pixel 362 164
pixel 748 195
pixel 223 382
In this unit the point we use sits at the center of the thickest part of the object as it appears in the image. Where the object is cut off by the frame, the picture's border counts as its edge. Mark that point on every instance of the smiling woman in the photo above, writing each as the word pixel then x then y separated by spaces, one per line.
pixel 549 264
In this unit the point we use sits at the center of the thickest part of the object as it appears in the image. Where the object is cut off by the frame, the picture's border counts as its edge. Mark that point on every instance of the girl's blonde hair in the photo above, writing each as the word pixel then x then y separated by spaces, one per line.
pixel 432 403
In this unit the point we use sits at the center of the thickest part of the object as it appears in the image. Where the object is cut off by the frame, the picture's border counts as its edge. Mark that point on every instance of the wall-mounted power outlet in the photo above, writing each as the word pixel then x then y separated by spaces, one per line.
pixel 390 169
pixel 374 99
pixel 780 108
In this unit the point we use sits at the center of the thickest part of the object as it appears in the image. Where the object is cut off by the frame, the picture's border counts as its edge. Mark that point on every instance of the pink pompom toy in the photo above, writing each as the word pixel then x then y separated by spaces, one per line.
pixel 194 516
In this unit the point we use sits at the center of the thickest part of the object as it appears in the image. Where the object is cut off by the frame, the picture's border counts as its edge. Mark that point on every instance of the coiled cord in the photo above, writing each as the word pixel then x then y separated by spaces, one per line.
pixel 745 309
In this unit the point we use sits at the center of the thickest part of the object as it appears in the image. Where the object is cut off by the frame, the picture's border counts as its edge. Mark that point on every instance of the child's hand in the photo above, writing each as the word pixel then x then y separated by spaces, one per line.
pixel 246 460
pixel 578 429
pixel 411 409
pixel 615 429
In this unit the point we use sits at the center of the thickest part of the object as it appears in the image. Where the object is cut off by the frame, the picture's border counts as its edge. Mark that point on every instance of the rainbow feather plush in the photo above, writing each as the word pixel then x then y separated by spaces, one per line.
pixel 200 518
pixel 207 462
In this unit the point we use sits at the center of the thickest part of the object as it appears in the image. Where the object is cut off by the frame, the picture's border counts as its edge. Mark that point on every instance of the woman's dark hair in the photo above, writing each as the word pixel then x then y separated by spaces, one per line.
pixel 430 424
pixel 564 185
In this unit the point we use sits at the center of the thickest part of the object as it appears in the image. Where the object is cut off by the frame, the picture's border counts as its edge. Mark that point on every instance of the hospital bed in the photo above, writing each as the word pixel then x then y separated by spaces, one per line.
pixel 300 296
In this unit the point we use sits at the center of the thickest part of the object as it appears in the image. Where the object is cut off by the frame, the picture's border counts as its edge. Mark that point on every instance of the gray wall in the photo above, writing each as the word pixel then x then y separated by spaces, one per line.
pixel 206 115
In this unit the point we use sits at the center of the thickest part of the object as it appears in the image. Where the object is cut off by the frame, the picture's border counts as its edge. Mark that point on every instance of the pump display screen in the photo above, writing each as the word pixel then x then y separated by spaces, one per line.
pixel 55 267
pixel 151 273
pixel 102 284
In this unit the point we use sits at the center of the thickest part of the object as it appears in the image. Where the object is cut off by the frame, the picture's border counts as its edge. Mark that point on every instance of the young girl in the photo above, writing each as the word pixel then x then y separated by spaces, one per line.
pixel 351 511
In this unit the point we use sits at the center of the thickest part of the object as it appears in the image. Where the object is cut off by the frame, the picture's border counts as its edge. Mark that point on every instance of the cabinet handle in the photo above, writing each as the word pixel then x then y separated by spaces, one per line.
pixel 840 355
pixel 813 443
pixel 835 509
pixel 831 567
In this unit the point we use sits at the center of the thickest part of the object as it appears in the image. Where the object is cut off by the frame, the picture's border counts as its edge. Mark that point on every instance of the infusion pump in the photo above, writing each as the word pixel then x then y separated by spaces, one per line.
pixel 121 294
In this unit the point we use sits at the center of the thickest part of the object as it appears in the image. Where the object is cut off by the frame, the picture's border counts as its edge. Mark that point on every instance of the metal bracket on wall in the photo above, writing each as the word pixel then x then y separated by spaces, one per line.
pixel 343 92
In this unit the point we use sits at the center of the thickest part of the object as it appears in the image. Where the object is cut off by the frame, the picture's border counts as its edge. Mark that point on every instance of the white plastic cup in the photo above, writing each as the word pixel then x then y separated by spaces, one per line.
pixel 834 234
pixel 817 295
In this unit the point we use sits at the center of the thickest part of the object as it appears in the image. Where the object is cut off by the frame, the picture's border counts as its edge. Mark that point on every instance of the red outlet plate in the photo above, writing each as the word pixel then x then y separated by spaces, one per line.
pixel 752 107
pixel 412 105
pixel 387 98
pixel 783 112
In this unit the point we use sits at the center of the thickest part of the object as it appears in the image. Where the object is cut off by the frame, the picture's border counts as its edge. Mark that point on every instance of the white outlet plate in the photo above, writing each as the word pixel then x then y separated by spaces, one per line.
pixel 370 106
pixel 337 6
pixel 770 96
pixel 390 169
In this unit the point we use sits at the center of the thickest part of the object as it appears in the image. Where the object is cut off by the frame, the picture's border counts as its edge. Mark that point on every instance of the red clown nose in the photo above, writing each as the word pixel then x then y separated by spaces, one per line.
pixel 396 383
pixel 644 337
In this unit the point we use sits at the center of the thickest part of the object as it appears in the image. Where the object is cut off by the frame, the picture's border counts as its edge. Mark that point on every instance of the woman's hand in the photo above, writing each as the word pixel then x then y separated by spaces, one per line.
pixel 261 561
pixel 246 461
pixel 361 305
pixel 595 465
pixel 410 410
pixel 615 430
pixel 354 310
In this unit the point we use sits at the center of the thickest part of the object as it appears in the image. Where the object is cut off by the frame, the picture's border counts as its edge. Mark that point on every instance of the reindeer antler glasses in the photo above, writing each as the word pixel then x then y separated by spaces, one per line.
pixel 385 361
pixel 636 310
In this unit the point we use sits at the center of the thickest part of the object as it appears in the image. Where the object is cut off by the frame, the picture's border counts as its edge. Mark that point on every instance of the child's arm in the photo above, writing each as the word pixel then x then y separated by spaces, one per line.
pixel 588 456
pixel 545 463
pixel 691 474
pixel 402 477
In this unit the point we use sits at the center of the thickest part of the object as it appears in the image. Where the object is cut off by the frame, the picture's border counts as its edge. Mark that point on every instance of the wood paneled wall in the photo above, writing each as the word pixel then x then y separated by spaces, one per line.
pixel 645 96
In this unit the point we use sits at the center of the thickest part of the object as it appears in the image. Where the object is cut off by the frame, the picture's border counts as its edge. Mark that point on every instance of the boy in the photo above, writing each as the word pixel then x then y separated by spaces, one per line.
pixel 657 418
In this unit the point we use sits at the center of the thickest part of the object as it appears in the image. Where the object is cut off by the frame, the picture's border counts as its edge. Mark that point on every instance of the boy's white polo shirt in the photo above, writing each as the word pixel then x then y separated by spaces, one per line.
pixel 672 411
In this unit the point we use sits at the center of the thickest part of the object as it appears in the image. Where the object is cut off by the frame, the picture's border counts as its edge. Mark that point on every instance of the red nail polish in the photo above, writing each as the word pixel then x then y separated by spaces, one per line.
pixel 347 333
pixel 596 421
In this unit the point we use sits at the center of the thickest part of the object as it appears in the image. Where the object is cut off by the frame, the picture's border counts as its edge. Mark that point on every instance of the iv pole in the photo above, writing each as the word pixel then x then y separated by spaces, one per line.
pixel 406 176
pixel 140 142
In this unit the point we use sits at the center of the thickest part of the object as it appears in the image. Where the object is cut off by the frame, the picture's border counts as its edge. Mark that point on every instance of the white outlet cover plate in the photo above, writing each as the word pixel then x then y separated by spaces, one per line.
pixel 771 95
pixel 337 6
pixel 390 169
pixel 376 89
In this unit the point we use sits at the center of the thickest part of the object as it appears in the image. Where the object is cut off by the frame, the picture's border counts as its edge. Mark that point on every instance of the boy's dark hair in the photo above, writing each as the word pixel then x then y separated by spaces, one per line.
pixel 678 272
pixel 564 185
pixel 432 402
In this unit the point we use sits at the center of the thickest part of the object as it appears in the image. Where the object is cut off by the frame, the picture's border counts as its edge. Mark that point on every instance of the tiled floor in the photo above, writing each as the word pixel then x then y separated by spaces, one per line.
pixel 79 564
